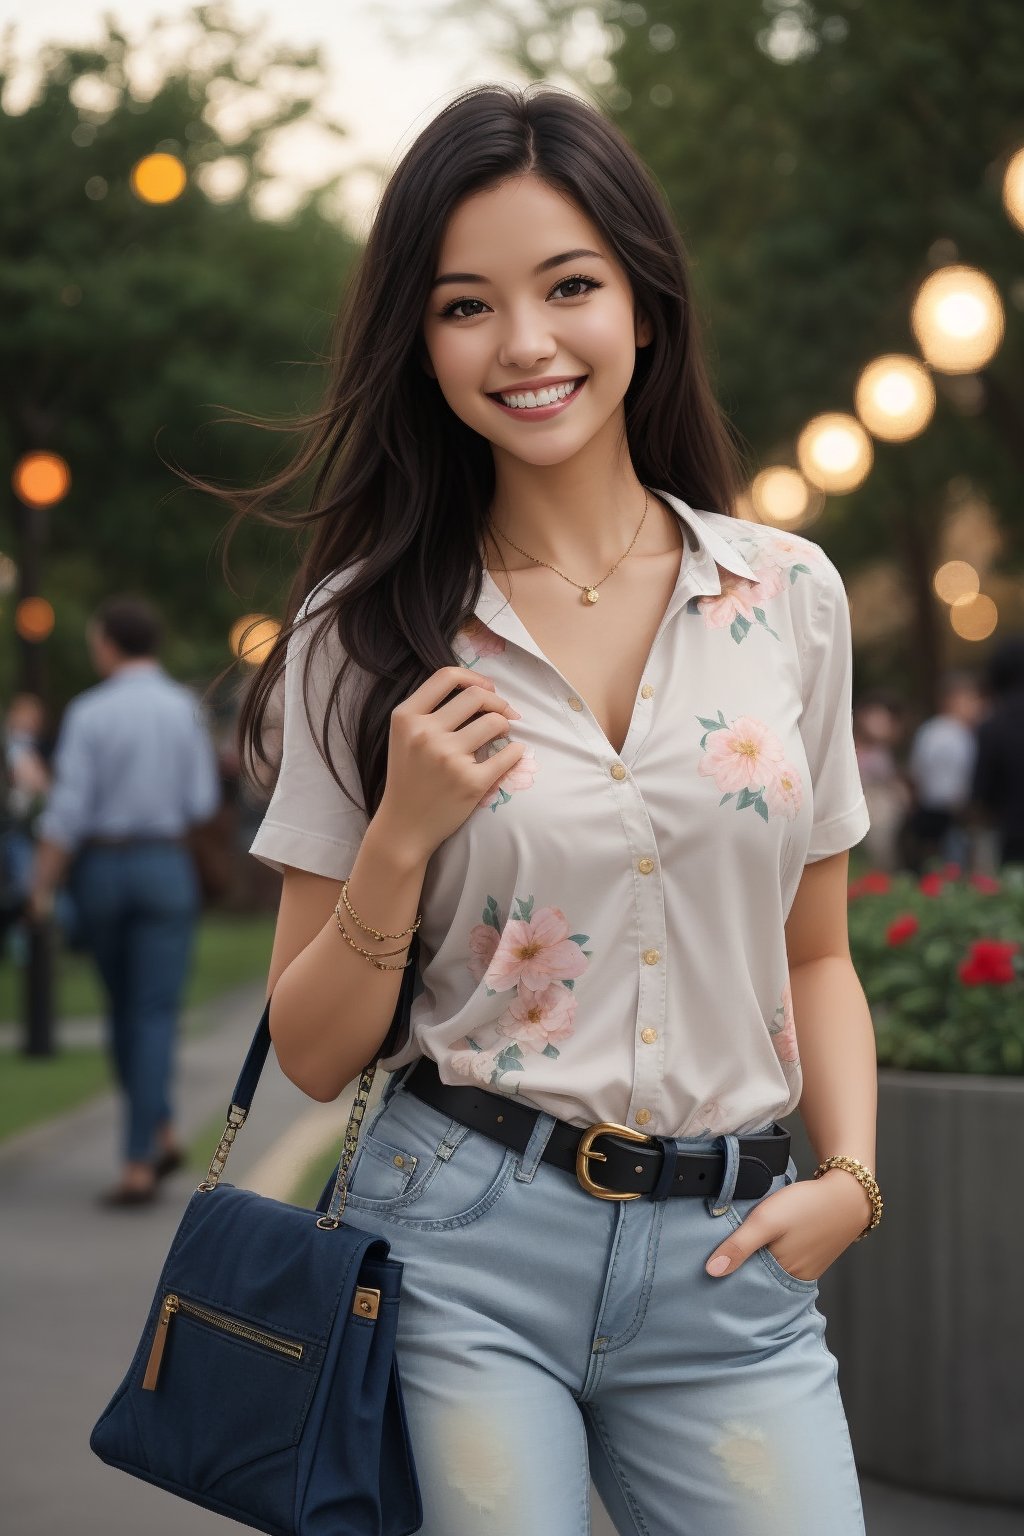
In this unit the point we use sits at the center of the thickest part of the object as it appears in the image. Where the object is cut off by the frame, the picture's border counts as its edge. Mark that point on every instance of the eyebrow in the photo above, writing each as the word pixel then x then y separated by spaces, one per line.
pixel 544 266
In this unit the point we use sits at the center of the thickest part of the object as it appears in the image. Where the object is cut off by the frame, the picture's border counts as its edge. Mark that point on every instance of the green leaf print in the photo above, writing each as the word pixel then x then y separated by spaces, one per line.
pixel 759 616
pixel 760 807
pixel 579 938
pixel 738 628
pixel 710 725
pixel 746 797
pixel 727 797
pixel 550 1050
pixel 509 1060
pixel 804 569
pixel 525 908
pixel 490 914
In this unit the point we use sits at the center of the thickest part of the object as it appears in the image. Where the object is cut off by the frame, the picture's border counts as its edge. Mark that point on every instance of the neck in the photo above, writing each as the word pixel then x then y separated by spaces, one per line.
pixel 579 519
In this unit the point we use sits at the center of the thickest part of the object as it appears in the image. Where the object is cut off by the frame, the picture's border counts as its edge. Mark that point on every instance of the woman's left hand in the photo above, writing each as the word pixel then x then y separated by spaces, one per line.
pixel 805 1226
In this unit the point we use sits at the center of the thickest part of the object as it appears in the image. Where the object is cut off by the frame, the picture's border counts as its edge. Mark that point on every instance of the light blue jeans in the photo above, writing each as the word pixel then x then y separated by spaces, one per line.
pixel 547 1337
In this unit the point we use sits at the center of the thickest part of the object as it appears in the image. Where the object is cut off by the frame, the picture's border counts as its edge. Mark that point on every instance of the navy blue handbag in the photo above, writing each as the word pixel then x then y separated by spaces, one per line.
pixel 265 1384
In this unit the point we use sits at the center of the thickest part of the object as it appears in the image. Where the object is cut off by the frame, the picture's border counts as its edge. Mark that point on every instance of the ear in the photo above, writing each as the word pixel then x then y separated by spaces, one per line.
pixel 644 330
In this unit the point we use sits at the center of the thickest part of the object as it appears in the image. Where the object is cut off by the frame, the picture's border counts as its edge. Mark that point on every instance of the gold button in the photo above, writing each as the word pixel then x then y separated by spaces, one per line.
pixel 648 1036
pixel 642 1116
pixel 652 956
pixel 618 772
pixel 574 702
pixel 645 866
pixel 647 691
pixel 398 1160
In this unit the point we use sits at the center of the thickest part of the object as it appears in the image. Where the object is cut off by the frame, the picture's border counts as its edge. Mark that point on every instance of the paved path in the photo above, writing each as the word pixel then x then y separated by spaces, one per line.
pixel 77 1282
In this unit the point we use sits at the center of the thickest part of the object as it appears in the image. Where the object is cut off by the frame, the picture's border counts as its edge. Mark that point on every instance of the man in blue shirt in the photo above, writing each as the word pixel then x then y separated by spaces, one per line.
pixel 133 769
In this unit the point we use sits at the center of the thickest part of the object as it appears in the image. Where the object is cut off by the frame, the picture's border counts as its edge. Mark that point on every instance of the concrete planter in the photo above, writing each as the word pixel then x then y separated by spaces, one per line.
pixel 925 1315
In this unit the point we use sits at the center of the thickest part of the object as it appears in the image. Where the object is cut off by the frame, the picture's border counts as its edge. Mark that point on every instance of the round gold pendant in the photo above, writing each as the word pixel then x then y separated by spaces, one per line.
pixel 591 595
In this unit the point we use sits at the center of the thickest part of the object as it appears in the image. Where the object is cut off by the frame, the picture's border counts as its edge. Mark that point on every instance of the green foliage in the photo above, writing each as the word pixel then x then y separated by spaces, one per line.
pixel 125 326
pixel 927 1017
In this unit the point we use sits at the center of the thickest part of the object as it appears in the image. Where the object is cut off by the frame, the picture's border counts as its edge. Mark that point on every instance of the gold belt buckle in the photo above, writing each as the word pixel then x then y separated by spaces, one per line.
pixel 585 1150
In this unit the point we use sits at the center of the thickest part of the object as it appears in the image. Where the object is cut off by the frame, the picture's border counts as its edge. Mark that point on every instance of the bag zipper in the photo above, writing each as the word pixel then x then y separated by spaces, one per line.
pixel 173 1304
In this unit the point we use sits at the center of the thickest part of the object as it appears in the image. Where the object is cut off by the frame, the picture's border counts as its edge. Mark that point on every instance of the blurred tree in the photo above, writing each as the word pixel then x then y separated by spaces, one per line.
pixel 820 161
pixel 123 324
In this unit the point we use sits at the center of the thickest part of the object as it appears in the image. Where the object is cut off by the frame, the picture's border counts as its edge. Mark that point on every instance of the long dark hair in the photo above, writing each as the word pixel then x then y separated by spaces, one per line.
pixel 400 484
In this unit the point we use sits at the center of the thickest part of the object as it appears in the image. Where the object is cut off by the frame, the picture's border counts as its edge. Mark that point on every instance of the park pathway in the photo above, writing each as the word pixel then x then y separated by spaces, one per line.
pixel 77 1281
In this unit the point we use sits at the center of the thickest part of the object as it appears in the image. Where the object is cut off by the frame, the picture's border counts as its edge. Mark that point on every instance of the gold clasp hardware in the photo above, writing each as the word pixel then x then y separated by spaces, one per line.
pixel 585 1150
pixel 236 1119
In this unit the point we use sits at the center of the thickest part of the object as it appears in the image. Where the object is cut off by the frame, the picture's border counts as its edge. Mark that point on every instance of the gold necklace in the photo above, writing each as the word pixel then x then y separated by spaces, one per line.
pixel 590 593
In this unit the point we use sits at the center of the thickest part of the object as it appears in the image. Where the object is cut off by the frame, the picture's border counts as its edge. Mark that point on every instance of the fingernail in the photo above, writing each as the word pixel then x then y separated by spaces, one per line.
pixel 719 1265
pixel 514 714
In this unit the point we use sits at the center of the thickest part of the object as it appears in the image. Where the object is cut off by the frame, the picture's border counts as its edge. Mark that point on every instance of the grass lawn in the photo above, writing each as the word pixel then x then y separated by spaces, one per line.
pixel 229 951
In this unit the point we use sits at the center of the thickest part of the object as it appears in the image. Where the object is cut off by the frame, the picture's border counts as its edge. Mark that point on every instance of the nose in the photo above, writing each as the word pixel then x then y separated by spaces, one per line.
pixel 527 340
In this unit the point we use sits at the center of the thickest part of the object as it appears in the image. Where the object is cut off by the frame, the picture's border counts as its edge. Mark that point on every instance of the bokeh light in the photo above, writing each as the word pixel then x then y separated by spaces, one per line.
pixel 41 479
pixel 974 618
pixel 895 397
pixel 8 575
pixel 34 619
pixel 251 637
pixel 781 495
pixel 835 452
pixel 1013 188
pixel 956 580
pixel 158 178
pixel 957 318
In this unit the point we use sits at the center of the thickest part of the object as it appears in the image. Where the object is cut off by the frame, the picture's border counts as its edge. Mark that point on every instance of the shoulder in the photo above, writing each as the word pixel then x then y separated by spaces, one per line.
pixel 323 590
pixel 786 561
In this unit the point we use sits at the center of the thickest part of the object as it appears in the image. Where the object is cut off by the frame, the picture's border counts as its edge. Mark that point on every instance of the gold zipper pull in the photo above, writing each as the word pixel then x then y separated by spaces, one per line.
pixel 156 1353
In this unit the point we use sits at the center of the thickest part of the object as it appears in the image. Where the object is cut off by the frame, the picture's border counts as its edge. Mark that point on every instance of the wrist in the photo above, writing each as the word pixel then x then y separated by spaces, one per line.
pixel 393 847
pixel 849 1191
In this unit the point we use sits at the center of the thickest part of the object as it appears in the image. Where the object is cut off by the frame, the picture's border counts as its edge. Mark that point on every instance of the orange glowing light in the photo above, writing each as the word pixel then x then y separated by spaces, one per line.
pixel 158 178
pixel 34 619
pixel 41 479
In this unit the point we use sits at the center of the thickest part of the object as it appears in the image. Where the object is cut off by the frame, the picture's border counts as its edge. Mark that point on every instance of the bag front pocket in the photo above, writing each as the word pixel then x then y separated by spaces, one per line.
pixel 243 1389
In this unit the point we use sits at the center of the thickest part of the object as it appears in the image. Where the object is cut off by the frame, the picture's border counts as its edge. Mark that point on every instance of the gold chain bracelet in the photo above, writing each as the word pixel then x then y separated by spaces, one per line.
pixel 373 959
pixel 368 928
pixel 867 1181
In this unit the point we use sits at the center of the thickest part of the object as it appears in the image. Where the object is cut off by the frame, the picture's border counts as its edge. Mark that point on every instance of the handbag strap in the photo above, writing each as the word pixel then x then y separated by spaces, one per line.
pixel 256 1059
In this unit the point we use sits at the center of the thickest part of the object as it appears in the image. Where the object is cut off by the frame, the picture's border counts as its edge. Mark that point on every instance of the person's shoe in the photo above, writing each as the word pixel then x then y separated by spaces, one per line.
pixel 169 1162
pixel 125 1194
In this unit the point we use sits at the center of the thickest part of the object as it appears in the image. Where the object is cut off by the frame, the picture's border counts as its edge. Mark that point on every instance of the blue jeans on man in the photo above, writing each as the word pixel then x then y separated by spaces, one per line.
pixel 138 906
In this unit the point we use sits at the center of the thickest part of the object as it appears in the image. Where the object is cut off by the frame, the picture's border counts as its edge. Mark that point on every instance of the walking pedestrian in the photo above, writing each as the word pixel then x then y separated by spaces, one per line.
pixel 551 706
pixel 940 767
pixel 134 768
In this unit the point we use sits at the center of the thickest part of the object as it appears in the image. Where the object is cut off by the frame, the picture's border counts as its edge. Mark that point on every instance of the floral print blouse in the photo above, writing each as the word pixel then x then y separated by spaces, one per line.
pixel 603 937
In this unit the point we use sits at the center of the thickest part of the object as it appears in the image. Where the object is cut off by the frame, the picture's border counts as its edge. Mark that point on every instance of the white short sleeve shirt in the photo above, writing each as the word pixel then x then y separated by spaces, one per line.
pixel 604 935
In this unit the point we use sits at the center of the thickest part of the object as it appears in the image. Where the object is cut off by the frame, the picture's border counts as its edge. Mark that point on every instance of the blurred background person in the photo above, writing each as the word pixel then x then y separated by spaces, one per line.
pixel 996 790
pixel 940 768
pixel 24 785
pixel 877 733
pixel 134 769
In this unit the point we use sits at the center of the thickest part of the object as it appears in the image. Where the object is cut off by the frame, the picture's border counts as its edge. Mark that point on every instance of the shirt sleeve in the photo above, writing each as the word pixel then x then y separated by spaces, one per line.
pixel 66 817
pixel 840 814
pixel 309 823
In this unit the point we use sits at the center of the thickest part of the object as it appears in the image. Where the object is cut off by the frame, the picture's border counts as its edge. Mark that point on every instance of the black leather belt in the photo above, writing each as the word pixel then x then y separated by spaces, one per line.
pixel 631 1163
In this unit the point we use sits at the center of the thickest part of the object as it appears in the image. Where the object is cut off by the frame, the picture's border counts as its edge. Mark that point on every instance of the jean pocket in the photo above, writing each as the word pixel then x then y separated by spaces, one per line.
pixel 738 1211
pixel 417 1165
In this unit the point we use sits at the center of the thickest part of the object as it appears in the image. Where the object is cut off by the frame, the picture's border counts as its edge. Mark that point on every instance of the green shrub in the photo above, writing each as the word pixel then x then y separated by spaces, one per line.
pixel 940 960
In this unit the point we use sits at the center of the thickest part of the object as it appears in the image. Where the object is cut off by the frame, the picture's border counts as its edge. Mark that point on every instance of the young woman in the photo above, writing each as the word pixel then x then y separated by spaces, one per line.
pixel 548 705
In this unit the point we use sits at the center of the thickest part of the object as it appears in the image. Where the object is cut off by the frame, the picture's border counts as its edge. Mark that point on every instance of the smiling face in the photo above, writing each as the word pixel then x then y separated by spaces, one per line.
pixel 514 316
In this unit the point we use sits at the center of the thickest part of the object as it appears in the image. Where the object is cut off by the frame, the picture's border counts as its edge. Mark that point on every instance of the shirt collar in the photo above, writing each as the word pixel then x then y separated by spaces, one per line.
pixel 141 668
pixel 705 549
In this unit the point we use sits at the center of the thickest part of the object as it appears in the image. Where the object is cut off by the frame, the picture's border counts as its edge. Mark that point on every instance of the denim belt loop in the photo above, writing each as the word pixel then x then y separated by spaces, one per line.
pixel 732 1167
pixel 534 1149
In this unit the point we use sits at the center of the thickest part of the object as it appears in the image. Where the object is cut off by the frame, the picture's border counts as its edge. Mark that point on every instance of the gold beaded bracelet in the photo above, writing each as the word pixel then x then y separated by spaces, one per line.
pixel 865 1178
pixel 367 928
pixel 373 959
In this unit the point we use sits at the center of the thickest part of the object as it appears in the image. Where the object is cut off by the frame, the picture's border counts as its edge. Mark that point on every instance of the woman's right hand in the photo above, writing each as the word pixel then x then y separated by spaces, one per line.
pixel 433 778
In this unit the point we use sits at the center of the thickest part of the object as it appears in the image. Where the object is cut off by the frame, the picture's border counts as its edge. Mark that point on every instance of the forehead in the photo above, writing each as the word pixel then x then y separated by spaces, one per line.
pixel 520 220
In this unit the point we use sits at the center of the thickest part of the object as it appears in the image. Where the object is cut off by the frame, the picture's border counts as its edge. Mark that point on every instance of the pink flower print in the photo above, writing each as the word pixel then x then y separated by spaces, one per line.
pixel 520 776
pixel 538 1019
pixel 784 794
pixel 744 755
pixel 477 640
pixel 739 605
pixel 720 609
pixel 783 1029
pixel 787 551
pixel 478 1065
pixel 535 951
pixel 483 941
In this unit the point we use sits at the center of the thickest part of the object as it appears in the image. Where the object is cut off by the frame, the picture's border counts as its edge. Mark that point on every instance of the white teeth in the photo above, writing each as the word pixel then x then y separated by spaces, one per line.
pixel 532 398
